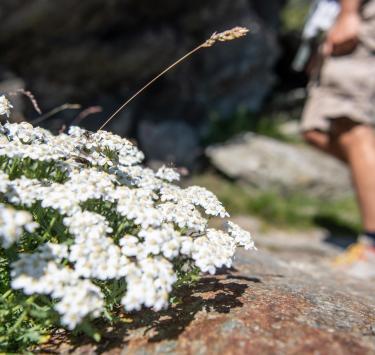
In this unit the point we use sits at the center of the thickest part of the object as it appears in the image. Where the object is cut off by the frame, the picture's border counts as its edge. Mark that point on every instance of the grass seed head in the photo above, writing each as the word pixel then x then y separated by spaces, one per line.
pixel 229 35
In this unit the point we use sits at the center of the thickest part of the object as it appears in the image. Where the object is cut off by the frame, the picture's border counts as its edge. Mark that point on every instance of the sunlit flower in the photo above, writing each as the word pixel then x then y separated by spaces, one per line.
pixel 13 224
pixel 5 106
pixel 104 220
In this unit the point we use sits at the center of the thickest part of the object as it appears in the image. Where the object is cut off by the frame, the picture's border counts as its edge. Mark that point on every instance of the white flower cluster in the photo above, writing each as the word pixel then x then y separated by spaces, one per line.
pixel 241 237
pixel 41 273
pixel 5 106
pixel 167 174
pixel 13 223
pixel 121 222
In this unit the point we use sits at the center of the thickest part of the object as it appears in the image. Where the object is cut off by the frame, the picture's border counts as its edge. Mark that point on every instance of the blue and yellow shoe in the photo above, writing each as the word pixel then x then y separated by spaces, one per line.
pixel 358 260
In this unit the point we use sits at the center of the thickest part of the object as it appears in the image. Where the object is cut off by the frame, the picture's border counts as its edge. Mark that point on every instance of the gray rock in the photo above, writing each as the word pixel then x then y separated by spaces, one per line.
pixel 170 141
pixel 268 164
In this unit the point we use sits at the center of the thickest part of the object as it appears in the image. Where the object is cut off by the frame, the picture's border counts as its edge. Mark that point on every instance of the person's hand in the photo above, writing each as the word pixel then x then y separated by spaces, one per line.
pixel 343 36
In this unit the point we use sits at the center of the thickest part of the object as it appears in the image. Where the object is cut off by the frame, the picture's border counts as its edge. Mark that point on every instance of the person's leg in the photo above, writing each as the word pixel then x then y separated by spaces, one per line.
pixel 325 142
pixel 357 141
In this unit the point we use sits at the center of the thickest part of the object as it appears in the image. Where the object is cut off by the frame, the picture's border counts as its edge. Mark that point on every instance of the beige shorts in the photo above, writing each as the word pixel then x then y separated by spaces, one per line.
pixel 344 87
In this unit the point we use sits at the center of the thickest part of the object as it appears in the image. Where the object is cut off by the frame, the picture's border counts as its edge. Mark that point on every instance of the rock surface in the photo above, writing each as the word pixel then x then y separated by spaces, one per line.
pixel 269 164
pixel 181 147
pixel 283 299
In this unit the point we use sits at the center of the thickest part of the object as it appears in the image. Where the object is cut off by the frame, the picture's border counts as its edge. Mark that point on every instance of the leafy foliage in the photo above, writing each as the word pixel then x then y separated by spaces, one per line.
pixel 86 231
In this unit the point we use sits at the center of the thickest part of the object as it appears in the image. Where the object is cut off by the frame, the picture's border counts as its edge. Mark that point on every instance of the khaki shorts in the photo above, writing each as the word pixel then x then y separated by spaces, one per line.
pixel 344 87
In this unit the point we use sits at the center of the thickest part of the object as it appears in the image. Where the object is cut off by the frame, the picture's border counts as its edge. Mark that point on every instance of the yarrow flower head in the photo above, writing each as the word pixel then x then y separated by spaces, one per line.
pixel 168 174
pixel 13 224
pixel 86 218
pixel 241 237
pixel 5 106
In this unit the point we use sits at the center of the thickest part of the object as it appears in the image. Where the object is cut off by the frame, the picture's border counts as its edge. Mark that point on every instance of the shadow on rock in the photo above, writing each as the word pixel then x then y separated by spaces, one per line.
pixel 209 295
pixel 339 233
pixel 217 294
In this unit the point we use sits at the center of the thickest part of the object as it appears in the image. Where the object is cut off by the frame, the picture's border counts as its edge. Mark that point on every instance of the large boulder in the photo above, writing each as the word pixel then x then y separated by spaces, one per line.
pixel 271 165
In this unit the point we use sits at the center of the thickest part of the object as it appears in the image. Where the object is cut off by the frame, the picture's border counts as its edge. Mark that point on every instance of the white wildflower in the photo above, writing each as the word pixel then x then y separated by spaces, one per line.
pixel 13 224
pixel 5 106
pixel 38 273
pixel 168 174
pixel 109 218
pixel 214 250
pixel 184 215
pixel 149 284
pixel 130 245
pixel 164 240
pixel 207 200
pixel 241 237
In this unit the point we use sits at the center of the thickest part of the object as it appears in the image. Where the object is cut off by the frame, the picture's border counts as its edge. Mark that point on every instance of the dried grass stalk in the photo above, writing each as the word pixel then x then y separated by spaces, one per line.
pixel 225 36
pixel 30 96
pixel 55 111
pixel 85 113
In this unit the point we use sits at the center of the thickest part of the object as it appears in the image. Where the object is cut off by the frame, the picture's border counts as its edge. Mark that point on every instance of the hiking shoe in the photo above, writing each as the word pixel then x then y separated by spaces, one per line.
pixel 358 261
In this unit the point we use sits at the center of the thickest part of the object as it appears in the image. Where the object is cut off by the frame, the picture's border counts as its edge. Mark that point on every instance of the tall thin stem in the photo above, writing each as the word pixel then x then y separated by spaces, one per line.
pixel 148 84
pixel 229 35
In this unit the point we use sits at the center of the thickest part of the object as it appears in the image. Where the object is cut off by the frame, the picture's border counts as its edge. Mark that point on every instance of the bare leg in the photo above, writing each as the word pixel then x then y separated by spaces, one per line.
pixel 358 143
pixel 326 143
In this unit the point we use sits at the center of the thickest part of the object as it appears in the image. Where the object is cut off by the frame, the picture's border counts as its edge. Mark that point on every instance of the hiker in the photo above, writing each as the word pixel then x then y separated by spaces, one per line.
pixel 339 114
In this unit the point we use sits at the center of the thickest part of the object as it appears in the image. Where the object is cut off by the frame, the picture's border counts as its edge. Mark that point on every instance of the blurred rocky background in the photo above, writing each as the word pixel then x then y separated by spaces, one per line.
pixel 101 52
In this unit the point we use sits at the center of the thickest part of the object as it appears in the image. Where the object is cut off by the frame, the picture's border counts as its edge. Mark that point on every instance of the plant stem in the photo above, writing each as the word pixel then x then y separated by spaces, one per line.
pixel 18 322
pixel 6 294
pixel 148 84
pixel 54 111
